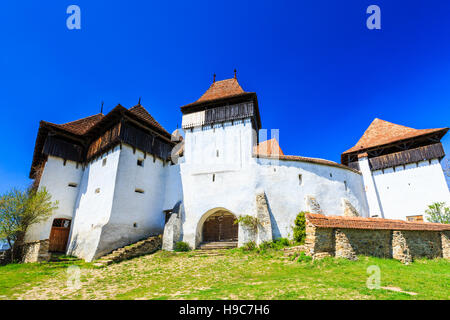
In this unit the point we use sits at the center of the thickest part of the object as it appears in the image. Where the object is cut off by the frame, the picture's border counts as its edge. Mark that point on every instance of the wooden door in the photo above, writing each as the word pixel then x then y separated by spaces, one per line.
pixel 59 235
pixel 220 227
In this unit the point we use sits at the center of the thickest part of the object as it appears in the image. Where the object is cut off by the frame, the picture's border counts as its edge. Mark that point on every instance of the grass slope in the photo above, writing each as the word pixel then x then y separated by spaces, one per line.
pixel 237 275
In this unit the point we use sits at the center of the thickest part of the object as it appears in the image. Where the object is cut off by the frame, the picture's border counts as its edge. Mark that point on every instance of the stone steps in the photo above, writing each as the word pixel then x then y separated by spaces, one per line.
pixel 208 253
pixel 136 249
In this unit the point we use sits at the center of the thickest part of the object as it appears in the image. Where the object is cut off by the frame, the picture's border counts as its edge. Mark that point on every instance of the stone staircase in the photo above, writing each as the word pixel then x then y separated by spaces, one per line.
pixel 139 248
pixel 213 248
pixel 218 245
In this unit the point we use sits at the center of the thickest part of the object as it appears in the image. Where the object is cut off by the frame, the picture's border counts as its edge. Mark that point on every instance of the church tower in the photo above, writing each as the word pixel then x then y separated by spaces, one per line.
pixel 221 126
pixel 401 169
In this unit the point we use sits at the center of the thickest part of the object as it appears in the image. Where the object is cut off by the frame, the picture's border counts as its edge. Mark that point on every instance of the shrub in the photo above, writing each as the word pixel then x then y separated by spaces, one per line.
pixel 247 221
pixel 438 213
pixel 300 228
pixel 249 246
pixel 181 246
pixel 304 258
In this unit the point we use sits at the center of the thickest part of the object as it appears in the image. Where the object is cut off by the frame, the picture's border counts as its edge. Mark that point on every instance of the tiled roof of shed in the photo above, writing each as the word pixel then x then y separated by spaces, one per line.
pixel 382 132
pixel 322 221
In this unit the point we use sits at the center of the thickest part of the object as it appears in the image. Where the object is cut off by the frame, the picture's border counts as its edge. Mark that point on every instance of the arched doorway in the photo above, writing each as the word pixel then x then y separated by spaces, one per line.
pixel 59 235
pixel 220 226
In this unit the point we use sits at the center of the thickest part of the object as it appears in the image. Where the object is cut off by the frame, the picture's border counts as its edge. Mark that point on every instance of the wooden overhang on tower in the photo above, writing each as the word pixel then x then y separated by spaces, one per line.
pixel 224 101
pixel 389 145
pixel 87 138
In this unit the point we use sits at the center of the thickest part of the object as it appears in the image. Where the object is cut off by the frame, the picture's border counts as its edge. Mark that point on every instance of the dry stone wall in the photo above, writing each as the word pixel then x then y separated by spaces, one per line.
pixel 404 245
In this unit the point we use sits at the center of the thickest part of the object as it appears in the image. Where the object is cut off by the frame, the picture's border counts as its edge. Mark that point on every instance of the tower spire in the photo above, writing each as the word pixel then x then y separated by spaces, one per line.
pixel 235 74
pixel 214 77
pixel 101 109
pixel 139 102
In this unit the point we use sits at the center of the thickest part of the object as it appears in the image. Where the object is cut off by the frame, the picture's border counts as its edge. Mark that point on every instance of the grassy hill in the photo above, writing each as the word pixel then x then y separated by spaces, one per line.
pixel 234 275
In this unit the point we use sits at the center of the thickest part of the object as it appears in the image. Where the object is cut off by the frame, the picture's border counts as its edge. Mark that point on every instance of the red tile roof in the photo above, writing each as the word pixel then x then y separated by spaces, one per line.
pixel 219 90
pixel 306 159
pixel 222 89
pixel 382 132
pixel 81 126
pixel 322 221
pixel 268 147
pixel 143 114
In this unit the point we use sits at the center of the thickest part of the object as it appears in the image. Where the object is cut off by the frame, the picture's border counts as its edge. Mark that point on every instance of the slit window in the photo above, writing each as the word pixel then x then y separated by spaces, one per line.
pixel 73 184
pixel 137 190
pixel 97 190
pixel 140 162
pixel 213 177
pixel 104 162
pixel 345 185
pixel 300 179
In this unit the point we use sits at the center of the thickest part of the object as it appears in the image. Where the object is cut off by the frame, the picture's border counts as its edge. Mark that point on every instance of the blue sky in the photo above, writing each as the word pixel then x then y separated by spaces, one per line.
pixel 321 76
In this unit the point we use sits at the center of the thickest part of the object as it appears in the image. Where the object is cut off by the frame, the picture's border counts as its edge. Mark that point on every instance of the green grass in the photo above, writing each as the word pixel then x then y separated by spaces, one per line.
pixel 237 275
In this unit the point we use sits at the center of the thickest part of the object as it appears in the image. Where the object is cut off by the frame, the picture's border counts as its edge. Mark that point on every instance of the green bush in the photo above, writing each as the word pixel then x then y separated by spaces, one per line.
pixel 438 213
pixel 181 246
pixel 249 246
pixel 304 258
pixel 300 228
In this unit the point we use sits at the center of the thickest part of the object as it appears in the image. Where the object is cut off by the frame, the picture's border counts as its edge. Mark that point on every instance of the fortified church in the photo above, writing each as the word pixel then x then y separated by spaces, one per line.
pixel 122 177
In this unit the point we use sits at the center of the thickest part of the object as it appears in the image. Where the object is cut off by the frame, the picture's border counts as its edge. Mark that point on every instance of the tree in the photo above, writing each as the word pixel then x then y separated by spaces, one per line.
pixel 18 211
pixel 447 168
pixel 438 213
pixel 300 228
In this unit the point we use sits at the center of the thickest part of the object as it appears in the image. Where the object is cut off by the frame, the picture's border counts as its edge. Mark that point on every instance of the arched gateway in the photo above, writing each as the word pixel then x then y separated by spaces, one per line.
pixel 219 225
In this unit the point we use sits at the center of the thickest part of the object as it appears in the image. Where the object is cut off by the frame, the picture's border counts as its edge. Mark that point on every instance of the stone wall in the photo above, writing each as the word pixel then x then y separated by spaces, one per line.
pixel 328 239
pixel 36 251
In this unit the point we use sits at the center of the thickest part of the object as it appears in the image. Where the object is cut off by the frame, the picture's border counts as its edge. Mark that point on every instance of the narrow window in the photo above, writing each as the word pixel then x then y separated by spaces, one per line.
pixel 300 179
pixel 135 225
pixel 331 175
pixel 97 190
pixel 140 162
pixel 73 184
pixel 214 177
pixel 104 162
pixel 217 153
pixel 138 190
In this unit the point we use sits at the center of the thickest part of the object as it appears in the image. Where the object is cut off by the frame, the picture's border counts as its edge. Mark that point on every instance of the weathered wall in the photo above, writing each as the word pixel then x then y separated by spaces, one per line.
pixel 135 215
pixel 402 245
pixel 36 251
pixel 93 210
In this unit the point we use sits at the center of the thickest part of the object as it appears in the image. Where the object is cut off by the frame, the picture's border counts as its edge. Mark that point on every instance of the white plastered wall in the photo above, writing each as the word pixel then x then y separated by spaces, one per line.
pixel 55 178
pixel 409 190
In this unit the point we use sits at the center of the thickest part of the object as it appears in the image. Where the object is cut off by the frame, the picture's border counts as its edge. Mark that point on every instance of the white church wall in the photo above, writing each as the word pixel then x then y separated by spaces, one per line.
pixel 210 182
pixel 56 178
pixel 217 173
pixel 94 204
pixel 286 191
pixel 408 191
pixel 174 187
pixel 135 215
